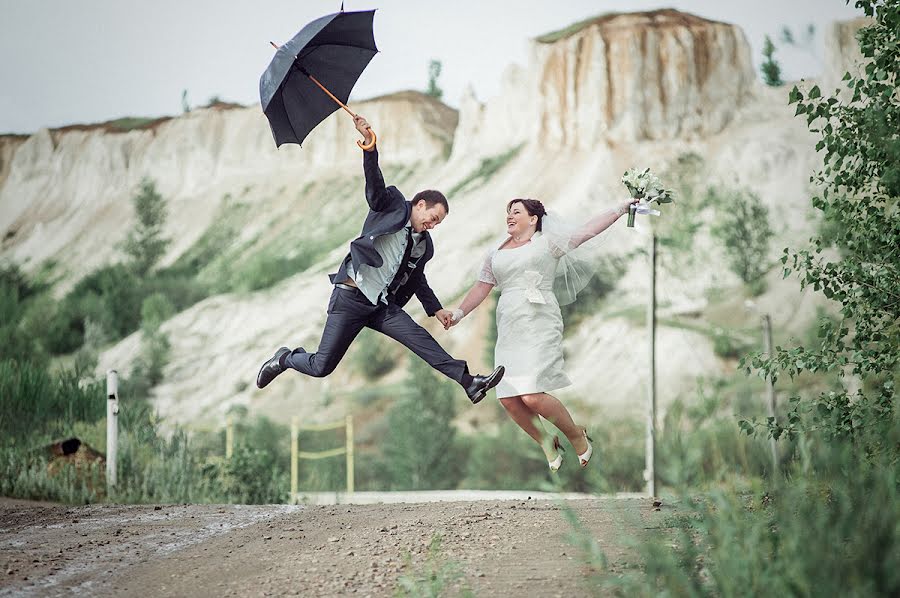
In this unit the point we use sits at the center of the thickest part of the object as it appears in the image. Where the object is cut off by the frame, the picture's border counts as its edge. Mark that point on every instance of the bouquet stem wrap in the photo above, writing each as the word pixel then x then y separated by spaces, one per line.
pixel 647 188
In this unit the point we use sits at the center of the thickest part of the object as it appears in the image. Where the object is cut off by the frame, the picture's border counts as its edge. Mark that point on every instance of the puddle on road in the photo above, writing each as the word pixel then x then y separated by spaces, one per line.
pixel 195 524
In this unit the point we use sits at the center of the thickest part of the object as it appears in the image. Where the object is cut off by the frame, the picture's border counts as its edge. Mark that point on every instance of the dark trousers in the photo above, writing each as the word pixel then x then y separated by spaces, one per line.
pixel 348 312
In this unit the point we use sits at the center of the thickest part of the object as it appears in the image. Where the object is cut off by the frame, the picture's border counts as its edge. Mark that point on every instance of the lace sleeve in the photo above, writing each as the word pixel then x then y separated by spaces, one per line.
pixel 577 259
pixel 487 272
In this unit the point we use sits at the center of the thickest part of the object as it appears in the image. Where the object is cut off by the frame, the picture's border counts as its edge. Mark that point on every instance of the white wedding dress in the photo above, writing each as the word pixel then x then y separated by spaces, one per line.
pixel 529 323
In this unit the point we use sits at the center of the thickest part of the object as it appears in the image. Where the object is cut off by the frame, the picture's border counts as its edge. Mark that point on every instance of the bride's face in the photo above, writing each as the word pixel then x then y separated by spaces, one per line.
pixel 518 221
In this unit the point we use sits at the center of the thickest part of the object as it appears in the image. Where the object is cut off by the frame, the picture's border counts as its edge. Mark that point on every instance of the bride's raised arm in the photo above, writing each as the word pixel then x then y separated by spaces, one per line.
pixel 598 224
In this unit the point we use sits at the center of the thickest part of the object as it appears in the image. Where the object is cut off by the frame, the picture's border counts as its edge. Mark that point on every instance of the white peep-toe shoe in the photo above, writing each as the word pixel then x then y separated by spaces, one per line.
pixel 585 457
pixel 556 463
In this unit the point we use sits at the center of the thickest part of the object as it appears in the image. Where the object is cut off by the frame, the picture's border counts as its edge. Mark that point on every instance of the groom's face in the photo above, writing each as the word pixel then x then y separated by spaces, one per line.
pixel 426 218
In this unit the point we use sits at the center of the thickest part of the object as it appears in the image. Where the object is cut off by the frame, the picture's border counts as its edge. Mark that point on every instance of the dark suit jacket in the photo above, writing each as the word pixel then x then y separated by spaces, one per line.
pixel 388 213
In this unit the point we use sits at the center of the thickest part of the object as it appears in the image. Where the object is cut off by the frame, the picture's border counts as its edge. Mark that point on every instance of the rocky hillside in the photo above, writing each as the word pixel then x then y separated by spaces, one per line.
pixel 618 91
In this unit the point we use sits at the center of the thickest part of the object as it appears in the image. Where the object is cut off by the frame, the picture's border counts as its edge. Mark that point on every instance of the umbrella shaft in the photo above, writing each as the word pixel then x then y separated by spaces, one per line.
pixel 331 95
pixel 322 87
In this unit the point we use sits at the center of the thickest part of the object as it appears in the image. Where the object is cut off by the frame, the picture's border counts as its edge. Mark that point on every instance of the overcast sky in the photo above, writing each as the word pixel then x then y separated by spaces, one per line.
pixel 82 61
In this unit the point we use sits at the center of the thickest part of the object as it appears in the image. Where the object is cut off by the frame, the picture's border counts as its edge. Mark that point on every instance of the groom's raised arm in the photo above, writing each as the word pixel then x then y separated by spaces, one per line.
pixel 377 194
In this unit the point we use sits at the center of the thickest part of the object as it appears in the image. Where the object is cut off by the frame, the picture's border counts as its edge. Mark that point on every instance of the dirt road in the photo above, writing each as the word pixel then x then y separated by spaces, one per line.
pixel 499 547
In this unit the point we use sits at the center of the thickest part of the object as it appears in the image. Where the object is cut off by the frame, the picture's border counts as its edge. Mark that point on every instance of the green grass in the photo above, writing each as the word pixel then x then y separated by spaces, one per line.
pixel 131 122
pixel 436 576
pixel 485 171
pixel 554 36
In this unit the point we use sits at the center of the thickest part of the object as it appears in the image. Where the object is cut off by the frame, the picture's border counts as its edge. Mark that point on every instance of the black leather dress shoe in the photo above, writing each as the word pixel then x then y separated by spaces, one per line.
pixel 271 368
pixel 481 384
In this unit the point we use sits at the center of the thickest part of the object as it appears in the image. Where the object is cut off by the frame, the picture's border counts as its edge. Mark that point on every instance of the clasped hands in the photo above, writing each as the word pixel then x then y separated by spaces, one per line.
pixel 445 317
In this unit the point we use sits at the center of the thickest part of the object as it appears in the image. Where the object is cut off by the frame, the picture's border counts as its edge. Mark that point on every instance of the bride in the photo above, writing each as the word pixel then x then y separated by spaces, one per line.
pixel 537 268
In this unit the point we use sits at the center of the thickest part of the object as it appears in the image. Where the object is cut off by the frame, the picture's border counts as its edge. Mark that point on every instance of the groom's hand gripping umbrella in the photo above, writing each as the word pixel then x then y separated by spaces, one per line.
pixel 328 55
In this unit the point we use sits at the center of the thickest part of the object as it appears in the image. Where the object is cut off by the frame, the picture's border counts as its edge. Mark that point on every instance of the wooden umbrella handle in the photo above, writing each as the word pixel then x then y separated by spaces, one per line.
pixel 365 146
pixel 371 144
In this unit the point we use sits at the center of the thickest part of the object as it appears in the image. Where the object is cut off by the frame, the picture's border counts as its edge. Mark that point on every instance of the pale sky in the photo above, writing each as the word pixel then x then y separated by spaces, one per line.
pixel 84 61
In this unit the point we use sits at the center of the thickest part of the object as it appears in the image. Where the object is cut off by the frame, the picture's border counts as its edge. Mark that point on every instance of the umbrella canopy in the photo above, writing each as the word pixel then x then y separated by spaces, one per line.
pixel 333 49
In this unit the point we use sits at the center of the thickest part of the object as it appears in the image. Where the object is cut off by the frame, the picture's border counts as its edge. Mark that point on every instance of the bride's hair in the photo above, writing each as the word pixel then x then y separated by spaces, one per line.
pixel 532 206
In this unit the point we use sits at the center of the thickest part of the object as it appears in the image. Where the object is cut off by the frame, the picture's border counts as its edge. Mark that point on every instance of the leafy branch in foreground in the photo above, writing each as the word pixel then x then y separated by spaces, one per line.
pixel 858 266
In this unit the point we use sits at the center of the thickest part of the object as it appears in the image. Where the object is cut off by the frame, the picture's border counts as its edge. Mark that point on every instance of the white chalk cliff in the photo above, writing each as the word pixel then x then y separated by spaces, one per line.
pixel 614 92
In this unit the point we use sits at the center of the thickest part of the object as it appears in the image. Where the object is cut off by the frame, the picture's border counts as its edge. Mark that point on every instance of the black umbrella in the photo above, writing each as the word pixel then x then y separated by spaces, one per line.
pixel 329 55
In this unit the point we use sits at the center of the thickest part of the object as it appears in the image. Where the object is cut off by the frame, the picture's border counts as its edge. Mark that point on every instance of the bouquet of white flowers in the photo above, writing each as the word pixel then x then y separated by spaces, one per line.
pixel 648 189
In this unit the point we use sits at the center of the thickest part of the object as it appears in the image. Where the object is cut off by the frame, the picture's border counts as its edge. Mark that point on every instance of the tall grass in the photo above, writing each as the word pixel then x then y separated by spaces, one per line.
pixel 831 529
pixel 38 407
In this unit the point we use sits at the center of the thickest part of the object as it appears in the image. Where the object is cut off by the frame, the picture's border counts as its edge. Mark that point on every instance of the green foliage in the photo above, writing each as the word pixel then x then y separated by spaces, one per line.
pixel 434 71
pixel 859 191
pixel 770 68
pixel 831 534
pixel 699 445
pixel 727 346
pixel 37 407
pixel 373 356
pixel 485 171
pixel 506 460
pixel 251 477
pixel 609 272
pixel 264 270
pixel 155 345
pixel 18 321
pixel 437 576
pixel 145 243
pixel 677 230
pixel 420 449
pixel 156 468
pixel 742 224
pixel 26 474
pixel 128 123
pixel 803 40
pixel 110 297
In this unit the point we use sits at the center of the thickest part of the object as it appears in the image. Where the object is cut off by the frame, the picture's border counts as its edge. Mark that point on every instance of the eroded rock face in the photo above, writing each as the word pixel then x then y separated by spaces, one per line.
pixel 842 53
pixel 619 78
pixel 65 193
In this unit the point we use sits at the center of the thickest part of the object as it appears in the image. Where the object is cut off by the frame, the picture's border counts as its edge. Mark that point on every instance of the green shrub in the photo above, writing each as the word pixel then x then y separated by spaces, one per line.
pixel 436 576
pixel 37 407
pixel 420 450
pixel 26 474
pixel 250 477
pixel 373 356
pixel 742 225
pixel 726 346
pixel 832 530
pixel 110 296
pixel 609 272
pixel 485 171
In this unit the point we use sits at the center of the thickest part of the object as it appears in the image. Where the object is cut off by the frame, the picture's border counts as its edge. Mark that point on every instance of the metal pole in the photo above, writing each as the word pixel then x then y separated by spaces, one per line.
pixel 112 428
pixel 650 471
pixel 295 448
pixel 349 428
pixel 770 388
pixel 229 436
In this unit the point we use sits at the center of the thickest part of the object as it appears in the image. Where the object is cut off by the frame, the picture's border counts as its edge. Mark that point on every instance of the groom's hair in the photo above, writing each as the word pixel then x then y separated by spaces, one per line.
pixel 532 206
pixel 431 198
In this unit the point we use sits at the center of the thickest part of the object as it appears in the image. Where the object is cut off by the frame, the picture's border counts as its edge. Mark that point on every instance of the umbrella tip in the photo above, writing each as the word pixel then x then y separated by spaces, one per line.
pixel 342 7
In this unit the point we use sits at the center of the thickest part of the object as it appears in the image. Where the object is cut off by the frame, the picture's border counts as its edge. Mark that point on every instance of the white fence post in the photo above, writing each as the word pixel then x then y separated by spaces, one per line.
pixel 112 427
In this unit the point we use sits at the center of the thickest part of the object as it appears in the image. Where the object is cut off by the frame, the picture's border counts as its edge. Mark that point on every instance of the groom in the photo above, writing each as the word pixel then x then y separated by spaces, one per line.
pixel 385 267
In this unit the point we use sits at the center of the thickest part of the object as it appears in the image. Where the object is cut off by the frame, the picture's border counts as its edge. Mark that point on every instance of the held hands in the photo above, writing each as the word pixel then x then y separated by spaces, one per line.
pixel 445 317
pixel 362 125
pixel 449 318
